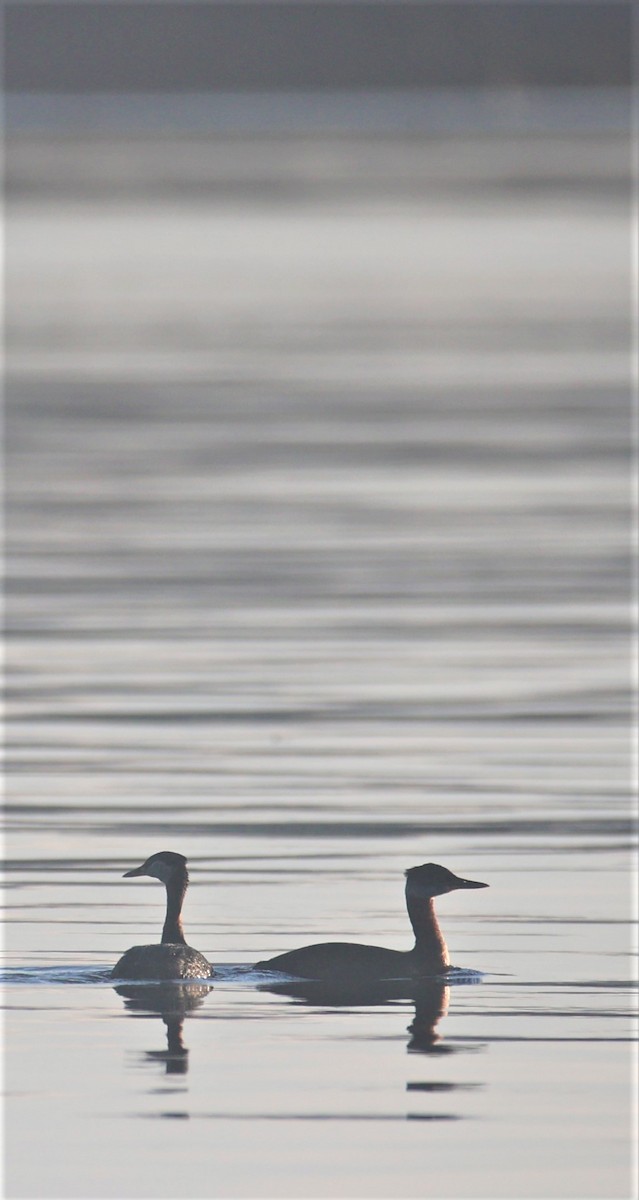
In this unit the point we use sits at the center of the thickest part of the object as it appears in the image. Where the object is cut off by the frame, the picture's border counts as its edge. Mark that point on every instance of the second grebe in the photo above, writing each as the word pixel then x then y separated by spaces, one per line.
pixel 341 961
pixel 171 958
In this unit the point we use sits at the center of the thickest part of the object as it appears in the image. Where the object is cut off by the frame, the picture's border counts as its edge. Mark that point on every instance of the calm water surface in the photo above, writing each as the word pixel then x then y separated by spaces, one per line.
pixel 318 535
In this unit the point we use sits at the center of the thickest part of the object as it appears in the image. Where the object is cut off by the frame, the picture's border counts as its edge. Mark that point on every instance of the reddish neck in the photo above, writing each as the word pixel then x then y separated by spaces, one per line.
pixel 175 892
pixel 429 941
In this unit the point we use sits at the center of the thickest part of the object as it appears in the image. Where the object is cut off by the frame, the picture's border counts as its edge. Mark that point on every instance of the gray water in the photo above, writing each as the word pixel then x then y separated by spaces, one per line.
pixel 318 520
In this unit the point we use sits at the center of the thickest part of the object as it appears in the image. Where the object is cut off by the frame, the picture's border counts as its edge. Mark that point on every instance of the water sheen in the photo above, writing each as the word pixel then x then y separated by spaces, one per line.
pixel 318 530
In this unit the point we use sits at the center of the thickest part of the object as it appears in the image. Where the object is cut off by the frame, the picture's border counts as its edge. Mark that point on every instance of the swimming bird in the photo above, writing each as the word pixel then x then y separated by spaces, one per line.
pixel 171 958
pixel 354 963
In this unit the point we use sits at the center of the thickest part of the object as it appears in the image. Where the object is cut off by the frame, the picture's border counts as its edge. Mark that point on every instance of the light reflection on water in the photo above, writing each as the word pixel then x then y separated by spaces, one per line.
pixel 475 1056
pixel 315 578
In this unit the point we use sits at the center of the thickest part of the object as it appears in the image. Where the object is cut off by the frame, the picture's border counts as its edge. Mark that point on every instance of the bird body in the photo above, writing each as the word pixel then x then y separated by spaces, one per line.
pixel 162 961
pixel 171 958
pixel 350 962
pixel 328 960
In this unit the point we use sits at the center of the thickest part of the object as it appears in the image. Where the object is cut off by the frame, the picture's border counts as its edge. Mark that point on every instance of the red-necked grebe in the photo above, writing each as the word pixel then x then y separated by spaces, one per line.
pixel 171 958
pixel 341 961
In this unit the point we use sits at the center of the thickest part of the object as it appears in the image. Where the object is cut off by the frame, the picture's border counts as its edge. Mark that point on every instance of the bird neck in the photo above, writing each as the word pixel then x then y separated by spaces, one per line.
pixel 430 946
pixel 175 892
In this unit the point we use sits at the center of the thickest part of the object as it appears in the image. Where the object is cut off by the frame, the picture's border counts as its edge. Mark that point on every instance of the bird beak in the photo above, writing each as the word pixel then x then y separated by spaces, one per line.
pixel 135 871
pixel 468 883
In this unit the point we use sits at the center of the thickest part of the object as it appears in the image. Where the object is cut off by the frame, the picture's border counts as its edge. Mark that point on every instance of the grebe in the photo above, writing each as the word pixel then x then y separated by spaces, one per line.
pixel 172 958
pixel 349 961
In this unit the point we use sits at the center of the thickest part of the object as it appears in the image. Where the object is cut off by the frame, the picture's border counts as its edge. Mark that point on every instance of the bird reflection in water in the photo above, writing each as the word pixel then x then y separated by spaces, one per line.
pixel 430 997
pixel 431 1004
pixel 170 1001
